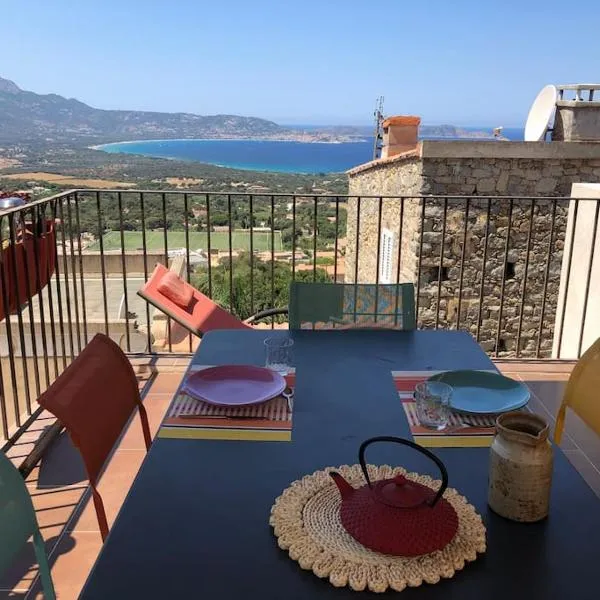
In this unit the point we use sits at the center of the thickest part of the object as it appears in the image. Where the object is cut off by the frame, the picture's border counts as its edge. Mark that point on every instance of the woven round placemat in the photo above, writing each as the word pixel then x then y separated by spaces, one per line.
pixel 306 522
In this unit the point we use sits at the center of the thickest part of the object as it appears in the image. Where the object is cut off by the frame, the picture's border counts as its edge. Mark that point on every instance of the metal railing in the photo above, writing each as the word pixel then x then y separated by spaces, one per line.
pixel 518 273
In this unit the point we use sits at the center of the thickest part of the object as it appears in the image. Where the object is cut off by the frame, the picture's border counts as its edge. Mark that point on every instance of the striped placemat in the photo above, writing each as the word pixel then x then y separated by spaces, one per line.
pixel 186 406
pixel 463 431
pixel 190 418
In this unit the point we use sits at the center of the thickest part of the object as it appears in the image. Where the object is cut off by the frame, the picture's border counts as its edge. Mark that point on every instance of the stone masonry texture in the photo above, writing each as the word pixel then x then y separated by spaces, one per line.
pixel 505 254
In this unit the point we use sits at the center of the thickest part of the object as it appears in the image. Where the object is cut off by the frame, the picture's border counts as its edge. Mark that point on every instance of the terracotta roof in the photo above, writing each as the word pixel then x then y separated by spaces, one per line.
pixel 412 153
pixel 402 120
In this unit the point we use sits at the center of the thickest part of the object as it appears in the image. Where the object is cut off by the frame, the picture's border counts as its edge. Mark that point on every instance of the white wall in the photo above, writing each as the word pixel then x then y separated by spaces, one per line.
pixel 572 303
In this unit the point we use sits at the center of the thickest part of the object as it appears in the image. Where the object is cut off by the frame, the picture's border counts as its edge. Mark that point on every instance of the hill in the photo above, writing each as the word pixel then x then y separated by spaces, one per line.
pixel 54 118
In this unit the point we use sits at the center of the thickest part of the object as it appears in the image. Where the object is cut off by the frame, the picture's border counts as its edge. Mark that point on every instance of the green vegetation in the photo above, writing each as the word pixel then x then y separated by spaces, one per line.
pixel 243 210
pixel 239 298
pixel 154 173
pixel 325 261
pixel 219 240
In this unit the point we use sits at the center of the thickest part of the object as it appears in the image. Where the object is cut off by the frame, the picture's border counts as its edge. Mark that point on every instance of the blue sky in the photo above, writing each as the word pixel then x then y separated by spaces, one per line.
pixel 465 62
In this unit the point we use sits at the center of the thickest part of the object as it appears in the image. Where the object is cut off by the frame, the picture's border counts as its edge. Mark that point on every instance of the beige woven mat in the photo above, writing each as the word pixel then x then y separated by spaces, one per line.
pixel 305 519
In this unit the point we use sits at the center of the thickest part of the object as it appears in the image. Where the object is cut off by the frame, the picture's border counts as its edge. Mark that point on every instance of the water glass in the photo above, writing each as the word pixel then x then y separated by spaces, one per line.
pixel 279 354
pixel 433 404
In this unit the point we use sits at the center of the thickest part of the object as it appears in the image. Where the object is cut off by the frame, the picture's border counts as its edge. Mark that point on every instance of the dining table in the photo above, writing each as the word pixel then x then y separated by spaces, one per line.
pixel 195 523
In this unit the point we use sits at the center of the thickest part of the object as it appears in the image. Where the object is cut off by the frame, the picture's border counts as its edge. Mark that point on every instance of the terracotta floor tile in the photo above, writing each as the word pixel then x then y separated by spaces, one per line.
pixel 60 466
pixel 165 383
pixel 113 487
pixel 156 406
pixel 71 563
pixel 162 361
pixel 543 376
pixel 22 572
pixel 535 366
pixel 26 442
pixel 141 361
pixel 53 509
pixel 184 362
pixel 507 369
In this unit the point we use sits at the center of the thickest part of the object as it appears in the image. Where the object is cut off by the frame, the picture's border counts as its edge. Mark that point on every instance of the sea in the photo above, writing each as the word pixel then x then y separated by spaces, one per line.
pixel 266 155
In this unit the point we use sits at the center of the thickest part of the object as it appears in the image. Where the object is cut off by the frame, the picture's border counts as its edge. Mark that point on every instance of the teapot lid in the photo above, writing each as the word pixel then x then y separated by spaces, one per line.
pixel 400 492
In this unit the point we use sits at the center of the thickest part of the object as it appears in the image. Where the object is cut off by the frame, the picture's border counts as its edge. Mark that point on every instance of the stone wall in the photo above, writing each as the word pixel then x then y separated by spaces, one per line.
pixel 506 176
pixel 503 254
pixel 497 251
pixel 398 182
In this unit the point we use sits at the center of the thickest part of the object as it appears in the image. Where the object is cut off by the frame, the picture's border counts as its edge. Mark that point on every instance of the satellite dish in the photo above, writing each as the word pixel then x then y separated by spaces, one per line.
pixel 540 114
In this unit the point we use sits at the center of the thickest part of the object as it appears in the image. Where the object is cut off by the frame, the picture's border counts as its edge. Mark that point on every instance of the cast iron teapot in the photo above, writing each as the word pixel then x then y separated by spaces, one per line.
pixel 397 516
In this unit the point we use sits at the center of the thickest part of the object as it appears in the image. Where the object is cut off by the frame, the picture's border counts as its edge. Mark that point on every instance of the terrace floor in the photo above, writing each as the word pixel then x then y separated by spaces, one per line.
pixel 63 504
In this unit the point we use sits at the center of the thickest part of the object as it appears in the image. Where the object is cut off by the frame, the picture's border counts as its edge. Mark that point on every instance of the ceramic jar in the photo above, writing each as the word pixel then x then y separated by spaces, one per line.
pixel 520 467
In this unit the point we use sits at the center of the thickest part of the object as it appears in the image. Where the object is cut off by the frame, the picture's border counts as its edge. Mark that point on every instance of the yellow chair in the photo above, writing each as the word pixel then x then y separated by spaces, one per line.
pixel 582 394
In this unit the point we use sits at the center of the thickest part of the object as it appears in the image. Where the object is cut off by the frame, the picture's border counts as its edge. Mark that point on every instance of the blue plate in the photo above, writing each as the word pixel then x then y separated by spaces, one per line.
pixel 482 392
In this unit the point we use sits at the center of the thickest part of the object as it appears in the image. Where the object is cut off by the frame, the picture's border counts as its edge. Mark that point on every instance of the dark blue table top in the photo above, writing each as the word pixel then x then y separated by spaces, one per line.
pixel 195 523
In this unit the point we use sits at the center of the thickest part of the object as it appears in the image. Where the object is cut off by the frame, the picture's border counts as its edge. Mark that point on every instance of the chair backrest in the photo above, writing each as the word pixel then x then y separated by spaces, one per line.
pixel 343 305
pixel 582 393
pixel 94 398
pixel 202 314
pixel 18 523
pixel 17 516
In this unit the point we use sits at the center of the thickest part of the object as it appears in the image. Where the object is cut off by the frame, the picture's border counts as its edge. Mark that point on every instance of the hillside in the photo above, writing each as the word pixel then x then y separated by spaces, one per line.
pixel 27 115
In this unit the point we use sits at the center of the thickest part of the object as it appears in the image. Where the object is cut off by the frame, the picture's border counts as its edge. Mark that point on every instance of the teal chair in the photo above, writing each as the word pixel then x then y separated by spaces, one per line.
pixel 349 306
pixel 18 523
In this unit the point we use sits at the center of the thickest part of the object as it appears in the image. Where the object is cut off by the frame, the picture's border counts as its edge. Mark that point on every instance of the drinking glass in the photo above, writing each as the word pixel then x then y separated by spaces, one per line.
pixel 433 404
pixel 279 354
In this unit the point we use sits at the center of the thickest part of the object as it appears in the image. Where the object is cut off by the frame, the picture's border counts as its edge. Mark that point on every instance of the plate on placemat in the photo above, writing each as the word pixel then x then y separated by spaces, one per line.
pixel 234 385
pixel 483 392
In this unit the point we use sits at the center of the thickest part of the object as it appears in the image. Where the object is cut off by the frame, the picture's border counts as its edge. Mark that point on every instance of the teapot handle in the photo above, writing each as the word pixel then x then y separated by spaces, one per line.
pixel 389 438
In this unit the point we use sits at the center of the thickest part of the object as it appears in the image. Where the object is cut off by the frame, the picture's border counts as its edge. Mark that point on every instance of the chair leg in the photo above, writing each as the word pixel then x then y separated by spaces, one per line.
pixel 40 553
pixel 145 426
pixel 100 513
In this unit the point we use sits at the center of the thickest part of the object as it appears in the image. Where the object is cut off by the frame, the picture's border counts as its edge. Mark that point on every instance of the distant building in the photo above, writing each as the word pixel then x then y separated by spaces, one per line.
pixel 429 241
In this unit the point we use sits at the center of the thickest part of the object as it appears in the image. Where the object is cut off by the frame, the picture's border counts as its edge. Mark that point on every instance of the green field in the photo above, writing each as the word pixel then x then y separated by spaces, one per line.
pixel 176 239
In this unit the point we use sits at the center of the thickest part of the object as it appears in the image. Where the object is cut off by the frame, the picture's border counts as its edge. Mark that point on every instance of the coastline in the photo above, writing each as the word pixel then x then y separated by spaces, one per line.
pixel 124 142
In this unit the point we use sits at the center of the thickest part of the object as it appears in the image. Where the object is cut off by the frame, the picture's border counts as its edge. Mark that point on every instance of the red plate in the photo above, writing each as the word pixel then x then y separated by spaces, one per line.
pixel 234 385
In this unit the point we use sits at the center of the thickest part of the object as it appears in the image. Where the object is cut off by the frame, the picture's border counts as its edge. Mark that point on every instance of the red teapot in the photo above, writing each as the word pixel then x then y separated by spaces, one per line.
pixel 397 516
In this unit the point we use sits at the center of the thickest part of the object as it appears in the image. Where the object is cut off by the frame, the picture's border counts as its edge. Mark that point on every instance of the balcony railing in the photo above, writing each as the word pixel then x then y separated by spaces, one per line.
pixel 521 274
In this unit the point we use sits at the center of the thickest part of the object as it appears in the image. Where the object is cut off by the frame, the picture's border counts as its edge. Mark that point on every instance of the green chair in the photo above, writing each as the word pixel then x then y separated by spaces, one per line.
pixel 18 523
pixel 349 306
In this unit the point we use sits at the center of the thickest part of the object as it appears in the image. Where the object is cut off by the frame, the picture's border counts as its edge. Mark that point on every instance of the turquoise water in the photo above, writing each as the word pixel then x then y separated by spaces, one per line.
pixel 255 155
pixel 261 155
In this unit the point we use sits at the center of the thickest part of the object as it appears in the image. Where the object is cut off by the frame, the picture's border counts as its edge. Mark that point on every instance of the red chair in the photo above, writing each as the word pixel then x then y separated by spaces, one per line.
pixel 94 399
pixel 191 308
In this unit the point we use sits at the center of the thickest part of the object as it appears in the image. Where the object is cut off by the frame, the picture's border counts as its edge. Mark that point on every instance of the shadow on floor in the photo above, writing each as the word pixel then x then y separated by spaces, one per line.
pixel 61 465
pixel 24 568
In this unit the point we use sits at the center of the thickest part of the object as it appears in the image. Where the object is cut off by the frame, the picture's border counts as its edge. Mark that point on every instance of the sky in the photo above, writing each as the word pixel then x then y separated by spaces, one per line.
pixel 462 62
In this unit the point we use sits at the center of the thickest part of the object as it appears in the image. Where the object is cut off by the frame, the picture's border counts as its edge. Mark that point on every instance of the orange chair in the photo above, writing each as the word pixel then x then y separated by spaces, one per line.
pixel 191 308
pixel 94 399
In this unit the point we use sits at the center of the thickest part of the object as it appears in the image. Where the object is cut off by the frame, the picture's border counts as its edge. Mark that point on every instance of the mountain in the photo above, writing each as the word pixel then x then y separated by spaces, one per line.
pixel 26 115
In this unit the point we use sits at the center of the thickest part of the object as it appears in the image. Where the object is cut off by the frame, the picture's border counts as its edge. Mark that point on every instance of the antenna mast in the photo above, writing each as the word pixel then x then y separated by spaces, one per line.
pixel 378 135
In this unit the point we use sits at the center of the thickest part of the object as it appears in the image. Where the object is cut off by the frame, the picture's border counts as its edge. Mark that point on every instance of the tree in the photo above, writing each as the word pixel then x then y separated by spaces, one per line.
pixel 268 292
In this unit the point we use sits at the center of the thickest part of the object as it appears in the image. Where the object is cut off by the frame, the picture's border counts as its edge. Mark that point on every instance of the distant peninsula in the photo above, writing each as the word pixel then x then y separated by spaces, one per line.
pixel 51 118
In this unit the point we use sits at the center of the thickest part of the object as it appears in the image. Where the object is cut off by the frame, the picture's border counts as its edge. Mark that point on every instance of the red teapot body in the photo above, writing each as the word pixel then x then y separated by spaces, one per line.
pixel 397 516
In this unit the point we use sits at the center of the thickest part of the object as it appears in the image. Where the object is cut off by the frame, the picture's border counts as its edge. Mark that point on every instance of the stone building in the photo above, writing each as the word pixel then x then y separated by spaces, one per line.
pixel 476 216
